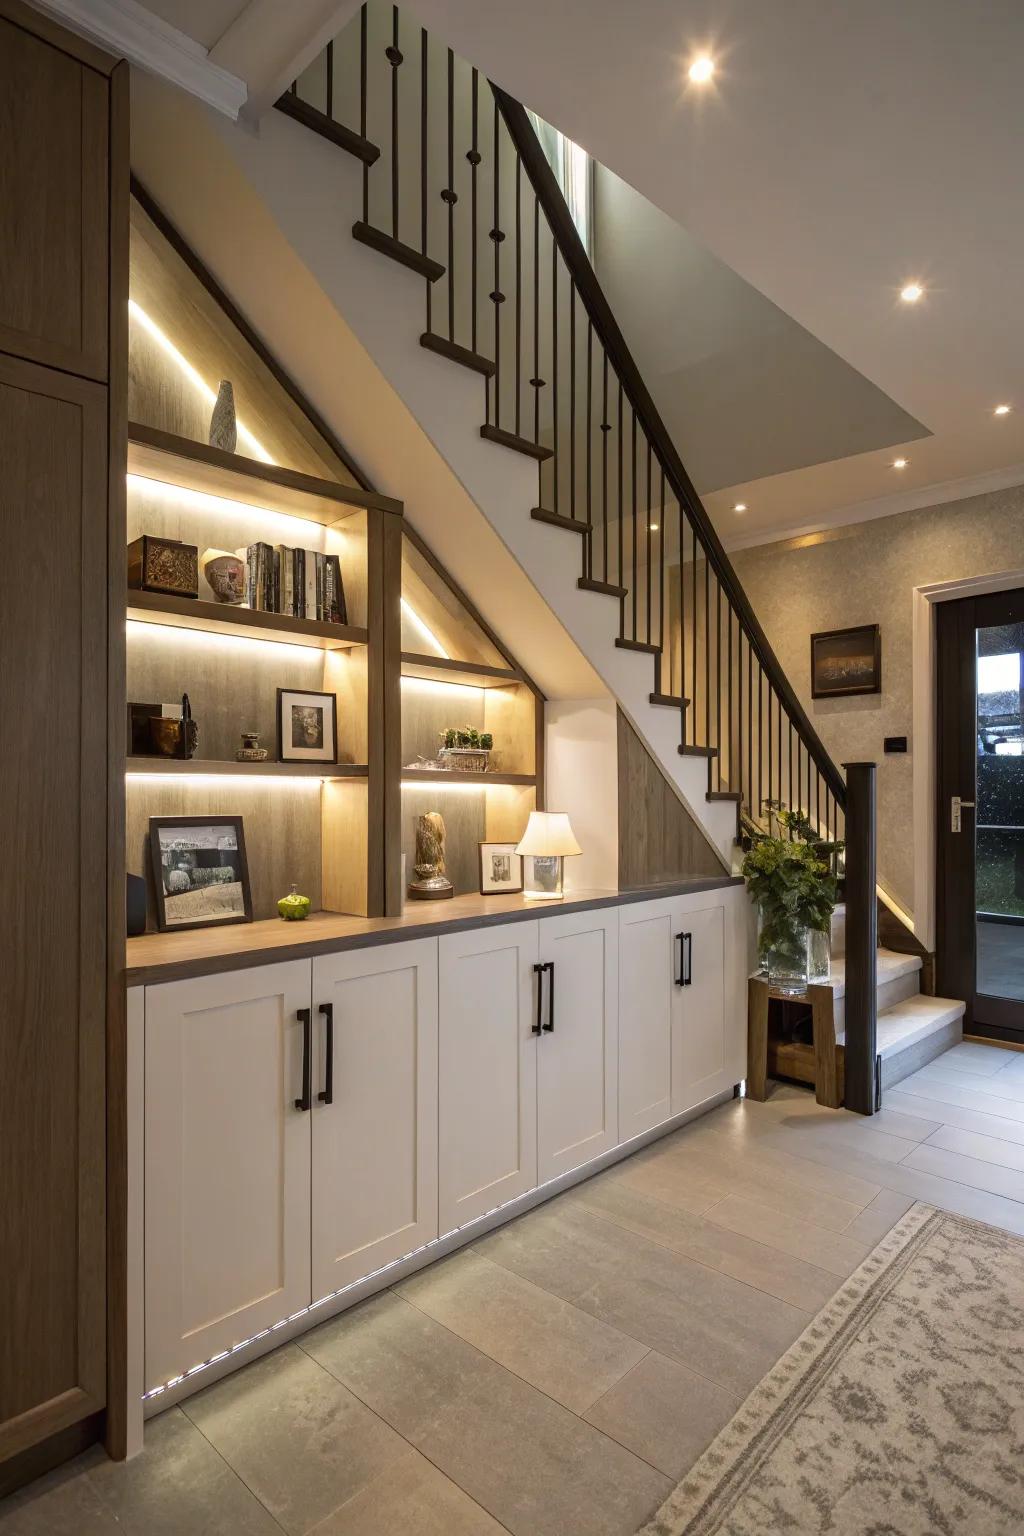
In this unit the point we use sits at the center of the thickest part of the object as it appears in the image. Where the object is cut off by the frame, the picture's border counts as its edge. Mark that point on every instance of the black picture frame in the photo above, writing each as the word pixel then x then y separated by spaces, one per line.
pixel 504 890
pixel 308 755
pixel 166 921
pixel 856 651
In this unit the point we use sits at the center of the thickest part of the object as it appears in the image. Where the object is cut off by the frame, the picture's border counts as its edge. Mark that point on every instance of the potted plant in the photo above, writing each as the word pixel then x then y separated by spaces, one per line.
pixel 789 873
pixel 465 749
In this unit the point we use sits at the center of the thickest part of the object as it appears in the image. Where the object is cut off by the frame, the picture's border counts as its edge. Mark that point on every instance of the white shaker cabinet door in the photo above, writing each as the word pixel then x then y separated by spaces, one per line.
pixel 374 1111
pixel 487 1069
pixel 646 1003
pixel 227 1162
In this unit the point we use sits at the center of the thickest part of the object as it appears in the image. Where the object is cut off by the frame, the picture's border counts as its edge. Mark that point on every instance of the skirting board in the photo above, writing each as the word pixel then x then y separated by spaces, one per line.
pixel 360 1290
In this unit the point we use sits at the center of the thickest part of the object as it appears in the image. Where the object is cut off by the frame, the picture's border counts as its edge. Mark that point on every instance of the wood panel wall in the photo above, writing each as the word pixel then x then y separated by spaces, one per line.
pixel 658 838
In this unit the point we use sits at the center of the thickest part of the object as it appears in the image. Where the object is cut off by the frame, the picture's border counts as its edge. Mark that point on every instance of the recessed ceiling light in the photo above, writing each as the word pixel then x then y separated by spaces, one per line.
pixel 911 293
pixel 1001 410
pixel 900 463
pixel 740 506
pixel 701 69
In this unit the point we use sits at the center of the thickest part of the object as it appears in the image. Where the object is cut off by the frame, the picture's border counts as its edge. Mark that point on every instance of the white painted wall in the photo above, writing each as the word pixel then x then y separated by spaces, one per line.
pixel 581 761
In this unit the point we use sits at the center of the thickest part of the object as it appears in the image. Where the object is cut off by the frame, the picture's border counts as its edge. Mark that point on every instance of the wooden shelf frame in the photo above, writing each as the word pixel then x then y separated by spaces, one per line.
pixel 465 674
pixel 192 466
pixel 227 766
pixel 248 623
pixel 441 776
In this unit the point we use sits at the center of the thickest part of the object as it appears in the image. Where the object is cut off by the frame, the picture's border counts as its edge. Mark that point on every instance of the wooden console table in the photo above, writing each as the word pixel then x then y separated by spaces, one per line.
pixel 821 1063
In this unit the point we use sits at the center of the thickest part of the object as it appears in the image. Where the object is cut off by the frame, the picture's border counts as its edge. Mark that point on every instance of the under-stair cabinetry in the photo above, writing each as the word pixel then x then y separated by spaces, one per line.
pixel 227 1161
pixel 681 1037
pixel 374 1109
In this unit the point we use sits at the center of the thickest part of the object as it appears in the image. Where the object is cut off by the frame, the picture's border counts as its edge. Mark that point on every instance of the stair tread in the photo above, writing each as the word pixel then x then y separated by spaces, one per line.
pixel 691 751
pixel 607 588
pixel 890 967
pixel 905 1024
pixel 559 520
pixel 673 700
pixel 465 356
pixel 724 794
pixel 647 647
pixel 379 240
pixel 518 444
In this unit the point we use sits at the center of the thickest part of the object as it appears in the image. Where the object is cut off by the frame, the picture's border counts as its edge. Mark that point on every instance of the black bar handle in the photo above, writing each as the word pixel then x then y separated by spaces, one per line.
pixel 549 966
pixel 304 1016
pixel 687 959
pixel 538 971
pixel 680 976
pixel 326 1094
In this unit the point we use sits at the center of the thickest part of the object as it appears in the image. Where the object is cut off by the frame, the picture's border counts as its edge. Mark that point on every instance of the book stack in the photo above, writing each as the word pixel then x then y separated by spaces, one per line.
pixel 300 582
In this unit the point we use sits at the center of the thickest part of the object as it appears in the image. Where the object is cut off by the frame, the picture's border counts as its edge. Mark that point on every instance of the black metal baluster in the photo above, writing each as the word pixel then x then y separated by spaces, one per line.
pixel 789 781
pixel 750 728
pixel 606 427
pixel 718 677
pixel 648 537
pixel 770 754
pixel 394 58
pixel 329 95
pixel 622 629
pixel 572 398
pixel 683 531
pixel 691 713
pixel 519 297
pixel 632 492
pixel 662 627
pixel 536 383
pixel 424 143
pixel 554 372
pixel 707 650
pixel 450 196
pixel 497 297
pixel 362 109
pixel 588 545
pixel 760 742
pixel 473 156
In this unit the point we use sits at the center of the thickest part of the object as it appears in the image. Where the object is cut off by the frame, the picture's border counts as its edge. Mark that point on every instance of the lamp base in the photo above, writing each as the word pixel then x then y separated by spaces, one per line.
pixel 544 895
pixel 542 876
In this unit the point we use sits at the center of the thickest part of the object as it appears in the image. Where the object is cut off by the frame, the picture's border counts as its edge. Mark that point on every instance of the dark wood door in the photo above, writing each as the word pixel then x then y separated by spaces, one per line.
pixel 54 201
pixel 980 722
pixel 53 834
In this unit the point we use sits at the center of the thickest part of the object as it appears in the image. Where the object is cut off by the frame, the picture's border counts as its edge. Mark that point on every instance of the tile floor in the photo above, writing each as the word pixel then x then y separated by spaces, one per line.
pixel 557 1377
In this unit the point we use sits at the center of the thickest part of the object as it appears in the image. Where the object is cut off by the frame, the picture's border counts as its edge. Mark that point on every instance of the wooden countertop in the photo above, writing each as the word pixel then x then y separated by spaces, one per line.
pixel 156 957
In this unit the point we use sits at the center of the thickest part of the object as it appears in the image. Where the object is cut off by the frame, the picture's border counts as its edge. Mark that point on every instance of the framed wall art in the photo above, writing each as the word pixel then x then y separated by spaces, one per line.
pixel 200 873
pixel 307 726
pixel 846 662
pixel 501 869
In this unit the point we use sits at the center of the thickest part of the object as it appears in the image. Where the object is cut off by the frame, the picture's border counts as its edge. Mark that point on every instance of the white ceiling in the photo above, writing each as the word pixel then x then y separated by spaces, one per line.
pixel 844 149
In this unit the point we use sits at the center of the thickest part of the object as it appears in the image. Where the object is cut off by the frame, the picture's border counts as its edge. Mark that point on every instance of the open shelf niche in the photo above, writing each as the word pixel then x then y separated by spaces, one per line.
pixel 414 657
pixel 455 674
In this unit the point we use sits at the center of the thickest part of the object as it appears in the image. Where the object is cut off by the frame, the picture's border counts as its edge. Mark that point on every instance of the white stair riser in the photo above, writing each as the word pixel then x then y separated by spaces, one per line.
pixel 890 992
pixel 896 1067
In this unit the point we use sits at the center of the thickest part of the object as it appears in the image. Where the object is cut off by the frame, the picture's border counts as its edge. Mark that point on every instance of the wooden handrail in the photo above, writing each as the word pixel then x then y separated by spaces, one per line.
pixel 598 309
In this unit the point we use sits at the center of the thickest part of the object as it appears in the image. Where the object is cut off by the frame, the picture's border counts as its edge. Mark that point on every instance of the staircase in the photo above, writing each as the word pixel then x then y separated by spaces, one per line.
pixel 912 1029
pixel 419 198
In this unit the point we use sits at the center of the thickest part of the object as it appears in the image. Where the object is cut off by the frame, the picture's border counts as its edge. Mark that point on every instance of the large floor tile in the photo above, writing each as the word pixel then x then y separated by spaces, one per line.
pixel 180 1486
pixel 740 1139
pixel 956 1114
pixel 1001 1085
pixel 898 1123
pixel 568 1354
pixel 969 1056
pixel 665 1413
pixel 835 1252
pixel 993 1177
pixel 876 1219
pixel 63 1503
pixel 938 1091
pixel 718 1326
pixel 533 1465
pixel 295 1435
pixel 988 1149
pixel 700 1238
pixel 411 1499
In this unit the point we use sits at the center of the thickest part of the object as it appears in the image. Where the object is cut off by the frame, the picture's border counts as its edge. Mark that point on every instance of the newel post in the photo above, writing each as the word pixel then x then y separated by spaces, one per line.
pixel 861 938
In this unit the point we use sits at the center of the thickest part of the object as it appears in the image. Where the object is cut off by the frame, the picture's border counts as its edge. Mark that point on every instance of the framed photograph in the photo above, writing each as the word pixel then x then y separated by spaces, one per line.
pixel 200 873
pixel 501 869
pixel 846 661
pixel 307 726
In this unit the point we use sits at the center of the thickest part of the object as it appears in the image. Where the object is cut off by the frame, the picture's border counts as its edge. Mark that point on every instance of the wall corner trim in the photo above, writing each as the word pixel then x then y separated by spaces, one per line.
pixel 129 31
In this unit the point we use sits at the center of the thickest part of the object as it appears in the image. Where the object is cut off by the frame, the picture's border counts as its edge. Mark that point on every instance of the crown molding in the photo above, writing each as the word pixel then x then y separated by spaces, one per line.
pixel 129 31
pixel 886 506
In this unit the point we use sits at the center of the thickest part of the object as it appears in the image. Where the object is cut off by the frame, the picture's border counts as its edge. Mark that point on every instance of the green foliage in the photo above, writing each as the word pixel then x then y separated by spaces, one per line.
pixel 467 736
pixel 789 874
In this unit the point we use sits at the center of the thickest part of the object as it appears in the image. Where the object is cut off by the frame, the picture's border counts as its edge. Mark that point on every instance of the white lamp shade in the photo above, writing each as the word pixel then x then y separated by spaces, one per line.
pixel 548 834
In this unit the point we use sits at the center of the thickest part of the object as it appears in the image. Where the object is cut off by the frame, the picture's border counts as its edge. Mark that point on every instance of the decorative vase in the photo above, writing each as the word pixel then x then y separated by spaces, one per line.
pixel 225 573
pixel 250 751
pixel 431 883
pixel 223 427
pixel 464 759
pixel 795 960
pixel 293 907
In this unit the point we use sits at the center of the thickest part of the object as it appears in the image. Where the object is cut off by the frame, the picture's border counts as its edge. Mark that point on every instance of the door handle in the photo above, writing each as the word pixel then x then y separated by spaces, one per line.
pixel 956 805
pixel 687 959
pixel 549 966
pixel 538 1025
pixel 326 1094
pixel 680 973
pixel 304 1016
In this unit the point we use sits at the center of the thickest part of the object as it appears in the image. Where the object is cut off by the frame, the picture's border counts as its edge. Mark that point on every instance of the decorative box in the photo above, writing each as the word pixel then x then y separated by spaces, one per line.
pixel 163 565
pixel 464 759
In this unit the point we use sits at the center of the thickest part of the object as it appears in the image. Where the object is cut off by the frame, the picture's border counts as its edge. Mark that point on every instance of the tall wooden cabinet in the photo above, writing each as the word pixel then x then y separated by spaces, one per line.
pixel 62 167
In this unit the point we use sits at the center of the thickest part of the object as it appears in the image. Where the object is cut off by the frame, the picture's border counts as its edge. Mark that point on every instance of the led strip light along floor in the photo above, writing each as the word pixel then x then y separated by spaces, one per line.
pixel 435 1242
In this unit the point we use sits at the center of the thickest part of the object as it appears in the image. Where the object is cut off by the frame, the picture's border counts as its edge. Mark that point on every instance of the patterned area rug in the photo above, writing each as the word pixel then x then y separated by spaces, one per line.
pixel 898 1412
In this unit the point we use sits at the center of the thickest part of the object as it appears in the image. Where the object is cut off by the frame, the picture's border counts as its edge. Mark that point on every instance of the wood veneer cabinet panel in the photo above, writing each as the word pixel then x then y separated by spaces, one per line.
pixel 54 113
pixel 53 771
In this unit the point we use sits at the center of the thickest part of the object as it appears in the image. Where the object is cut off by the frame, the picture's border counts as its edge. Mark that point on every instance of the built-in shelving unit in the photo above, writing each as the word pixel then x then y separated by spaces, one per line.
pixel 415 659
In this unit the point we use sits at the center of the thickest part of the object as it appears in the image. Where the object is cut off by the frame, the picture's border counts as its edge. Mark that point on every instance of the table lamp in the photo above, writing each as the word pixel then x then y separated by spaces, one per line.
pixel 547 841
